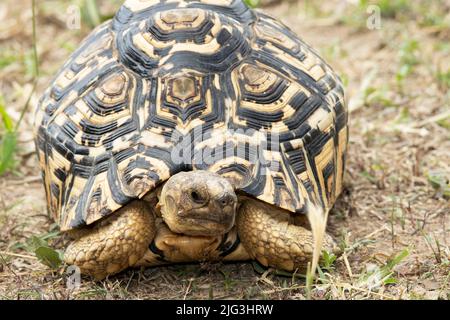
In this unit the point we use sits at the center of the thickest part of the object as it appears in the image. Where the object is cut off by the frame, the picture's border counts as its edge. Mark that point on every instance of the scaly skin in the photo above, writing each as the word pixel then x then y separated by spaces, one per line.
pixel 267 233
pixel 115 244
pixel 192 230
pixel 270 236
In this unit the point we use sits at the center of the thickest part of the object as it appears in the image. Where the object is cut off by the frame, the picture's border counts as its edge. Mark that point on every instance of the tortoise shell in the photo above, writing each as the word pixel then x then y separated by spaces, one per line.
pixel 170 86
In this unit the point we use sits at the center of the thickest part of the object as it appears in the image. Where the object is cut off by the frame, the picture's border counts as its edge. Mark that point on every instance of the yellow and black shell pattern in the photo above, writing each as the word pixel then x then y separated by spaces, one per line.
pixel 176 85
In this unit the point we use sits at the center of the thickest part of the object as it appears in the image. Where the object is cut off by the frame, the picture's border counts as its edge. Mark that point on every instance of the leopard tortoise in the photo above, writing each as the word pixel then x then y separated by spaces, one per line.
pixel 185 131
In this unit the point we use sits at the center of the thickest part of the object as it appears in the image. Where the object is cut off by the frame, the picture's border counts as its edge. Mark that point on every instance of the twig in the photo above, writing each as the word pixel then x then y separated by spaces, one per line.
pixel 296 287
pixel 17 255
pixel 7 266
pixel 436 118
pixel 27 180
pixel 347 265
pixel 188 289
pixel 383 228
pixel 350 286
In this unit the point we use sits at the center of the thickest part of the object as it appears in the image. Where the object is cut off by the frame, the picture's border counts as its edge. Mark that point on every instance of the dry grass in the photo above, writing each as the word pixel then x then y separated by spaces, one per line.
pixel 395 203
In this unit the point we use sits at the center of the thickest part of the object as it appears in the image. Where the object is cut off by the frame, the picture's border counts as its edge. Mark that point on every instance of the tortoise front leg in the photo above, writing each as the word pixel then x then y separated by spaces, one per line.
pixel 115 243
pixel 270 236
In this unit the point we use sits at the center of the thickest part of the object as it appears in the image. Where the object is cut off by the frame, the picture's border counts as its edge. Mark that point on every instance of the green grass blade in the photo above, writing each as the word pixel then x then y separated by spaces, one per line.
pixel 395 261
pixel 92 12
pixel 252 3
pixel 36 68
pixel 8 146
pixel 35 52
pixel 7 121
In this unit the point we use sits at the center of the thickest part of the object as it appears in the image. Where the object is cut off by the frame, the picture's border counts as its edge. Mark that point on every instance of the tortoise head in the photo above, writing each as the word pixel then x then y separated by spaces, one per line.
pixel 198 203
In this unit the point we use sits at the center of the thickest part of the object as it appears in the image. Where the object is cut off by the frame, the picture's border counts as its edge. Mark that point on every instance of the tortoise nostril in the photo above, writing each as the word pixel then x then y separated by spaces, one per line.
pixel 226 200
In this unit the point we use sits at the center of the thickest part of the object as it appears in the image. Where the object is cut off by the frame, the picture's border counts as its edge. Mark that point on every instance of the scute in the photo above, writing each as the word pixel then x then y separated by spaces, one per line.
pixel 168 86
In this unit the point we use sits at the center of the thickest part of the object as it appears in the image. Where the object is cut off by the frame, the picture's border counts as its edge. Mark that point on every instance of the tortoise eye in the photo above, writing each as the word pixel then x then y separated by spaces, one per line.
pixel 197 197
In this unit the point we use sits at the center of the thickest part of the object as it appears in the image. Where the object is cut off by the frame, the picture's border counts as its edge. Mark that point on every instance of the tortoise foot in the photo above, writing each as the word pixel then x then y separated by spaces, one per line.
pixel 269 236
pixel 115 243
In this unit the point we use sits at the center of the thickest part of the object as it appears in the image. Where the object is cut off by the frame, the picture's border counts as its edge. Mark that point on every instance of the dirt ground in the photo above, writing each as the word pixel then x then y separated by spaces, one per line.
pixel 393 220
